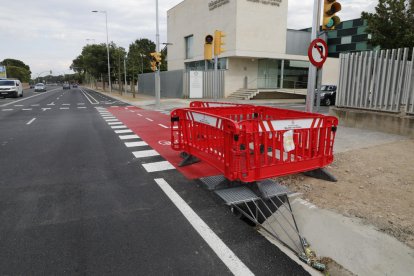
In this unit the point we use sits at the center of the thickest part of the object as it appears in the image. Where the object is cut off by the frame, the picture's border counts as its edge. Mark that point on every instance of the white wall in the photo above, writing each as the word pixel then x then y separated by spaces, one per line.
pixel 239 68
pixel 252 29
pixel 330 72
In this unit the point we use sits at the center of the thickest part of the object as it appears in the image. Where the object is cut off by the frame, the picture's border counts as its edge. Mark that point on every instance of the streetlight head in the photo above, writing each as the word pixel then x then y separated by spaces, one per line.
pixel 94 11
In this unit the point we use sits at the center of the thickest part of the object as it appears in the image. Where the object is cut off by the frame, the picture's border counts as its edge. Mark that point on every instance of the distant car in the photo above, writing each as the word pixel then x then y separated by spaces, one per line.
pixel 32 86
pixel 11 88
pixel 66 86
pixel 40 87
pixel 327 94
pixel 75 85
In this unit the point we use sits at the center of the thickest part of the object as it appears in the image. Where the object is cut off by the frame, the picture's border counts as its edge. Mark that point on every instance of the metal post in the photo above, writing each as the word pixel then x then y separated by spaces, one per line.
pixel 125 83
pixel 216 84
pixel 312 69
pixel 157 73
pixel 107 50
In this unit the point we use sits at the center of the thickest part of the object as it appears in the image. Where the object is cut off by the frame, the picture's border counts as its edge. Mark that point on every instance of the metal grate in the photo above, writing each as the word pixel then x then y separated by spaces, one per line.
pixel 213 181
pixel 269 188
pixel 237 195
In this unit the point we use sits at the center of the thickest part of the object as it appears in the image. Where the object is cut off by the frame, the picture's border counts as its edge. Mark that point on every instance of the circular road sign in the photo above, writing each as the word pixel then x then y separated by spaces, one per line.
pixel 318 52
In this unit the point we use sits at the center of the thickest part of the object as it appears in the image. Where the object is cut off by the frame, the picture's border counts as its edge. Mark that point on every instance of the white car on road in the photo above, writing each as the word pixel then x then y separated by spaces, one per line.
pixel 40 87
pixel 11 88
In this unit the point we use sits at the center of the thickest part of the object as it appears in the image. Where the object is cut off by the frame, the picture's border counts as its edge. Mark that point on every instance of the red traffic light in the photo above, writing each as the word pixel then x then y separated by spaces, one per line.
pixel 209 39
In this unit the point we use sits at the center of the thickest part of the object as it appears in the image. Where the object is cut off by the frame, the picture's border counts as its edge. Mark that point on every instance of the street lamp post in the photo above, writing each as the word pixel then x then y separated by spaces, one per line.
pixel 157 73
pixel 125 85
pixel 107 49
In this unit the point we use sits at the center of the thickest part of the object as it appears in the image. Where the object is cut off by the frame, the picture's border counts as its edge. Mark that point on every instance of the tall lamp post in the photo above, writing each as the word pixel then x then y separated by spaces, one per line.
pixel 107 49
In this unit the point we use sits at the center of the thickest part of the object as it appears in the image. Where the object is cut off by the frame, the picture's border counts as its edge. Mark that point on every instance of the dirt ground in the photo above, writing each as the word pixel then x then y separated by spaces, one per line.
pixel 375 184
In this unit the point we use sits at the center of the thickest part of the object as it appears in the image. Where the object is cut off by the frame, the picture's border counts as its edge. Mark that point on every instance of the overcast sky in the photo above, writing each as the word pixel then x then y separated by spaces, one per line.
pixel 49 34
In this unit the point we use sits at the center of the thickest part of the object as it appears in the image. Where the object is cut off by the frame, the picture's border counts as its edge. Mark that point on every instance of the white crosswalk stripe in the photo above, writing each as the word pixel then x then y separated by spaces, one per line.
pixel 118 127
pixel 158 166
pixel 115 123
pixel 127 137
pixel 135 144
pixel 123 131
pixel 145 153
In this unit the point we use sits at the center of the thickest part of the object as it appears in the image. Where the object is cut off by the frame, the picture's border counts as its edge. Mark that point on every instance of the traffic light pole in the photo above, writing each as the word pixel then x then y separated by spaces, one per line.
pixel 216 83
pixel 310 97
pixel 157 72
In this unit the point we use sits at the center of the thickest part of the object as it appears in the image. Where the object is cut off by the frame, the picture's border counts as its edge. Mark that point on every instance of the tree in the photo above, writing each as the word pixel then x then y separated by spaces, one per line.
pixel 118 62
pixel 139 58
pixel 19 73
pixel 392 24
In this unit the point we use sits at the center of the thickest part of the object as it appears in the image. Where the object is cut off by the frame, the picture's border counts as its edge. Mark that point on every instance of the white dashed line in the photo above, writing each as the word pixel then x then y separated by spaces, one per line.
pixel 227 256
pixel 135 144
pixel 45 108
pixel 128 137
pixel 64 108
pixel 65 104
pixel 123 131
pixel 139 114
pixel 158 166
pixel 118 127
pixel 34 105
pixel 115 123
pixel 51 104
pixel 151 120
pixel 81 103
pixel 31 121
pixel 79 107
pixel 145 153
pixel 161 125
pixel 7 110
pixel 26 109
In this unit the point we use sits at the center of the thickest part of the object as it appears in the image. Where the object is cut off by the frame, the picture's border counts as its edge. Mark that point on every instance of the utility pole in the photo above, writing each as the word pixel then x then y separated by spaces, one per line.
pixel 310 97
pixel 157 72
pixel 125 84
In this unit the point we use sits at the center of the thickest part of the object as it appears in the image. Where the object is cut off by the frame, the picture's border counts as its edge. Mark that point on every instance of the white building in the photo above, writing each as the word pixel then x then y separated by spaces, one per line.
pixel 259 50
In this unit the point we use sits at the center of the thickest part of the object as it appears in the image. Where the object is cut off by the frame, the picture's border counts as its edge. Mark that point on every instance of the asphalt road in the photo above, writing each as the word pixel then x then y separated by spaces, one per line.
pixel 74 200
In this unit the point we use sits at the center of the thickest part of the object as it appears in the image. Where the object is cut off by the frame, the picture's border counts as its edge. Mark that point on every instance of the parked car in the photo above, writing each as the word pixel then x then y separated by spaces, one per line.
pixel 327 94
pixel 66 86
pixel 32 85
pixel 11 88
pixel 40 87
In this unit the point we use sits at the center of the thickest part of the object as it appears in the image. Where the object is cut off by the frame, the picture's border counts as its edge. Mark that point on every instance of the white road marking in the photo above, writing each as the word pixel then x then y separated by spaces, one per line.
pixel 109 117
pixel 31 121
pixel 26 109
pixel 115 123
pixel 161 125
pixel 111 120
pixel 118 127
pixel 114 106
pixel 34 105
pixel 45 108
pixel 135 144
pixel 123 131
pixel 65 108
pixel 139 114
pixel 65 104
pixel 145 153
pixel 87 95
pixel 79 107
pixel 81 103
pixel 51 103
pixel 151 120
pixel 7 109
pixel 128 137
pixel 105 113
pixel 26 98
pixel 234 264
pixel 158 166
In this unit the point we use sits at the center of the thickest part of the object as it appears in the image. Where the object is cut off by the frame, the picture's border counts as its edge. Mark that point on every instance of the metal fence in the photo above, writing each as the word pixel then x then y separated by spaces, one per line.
pixel 209 84
pixel 377 80
pixel 171 84
pixel 176 84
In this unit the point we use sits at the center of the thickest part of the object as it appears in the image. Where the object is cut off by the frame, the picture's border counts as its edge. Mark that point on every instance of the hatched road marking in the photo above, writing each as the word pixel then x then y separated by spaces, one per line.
pixel 118 127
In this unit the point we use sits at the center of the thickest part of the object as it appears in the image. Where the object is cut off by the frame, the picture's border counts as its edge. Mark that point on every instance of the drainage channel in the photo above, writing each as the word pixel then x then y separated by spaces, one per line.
pixel 265 205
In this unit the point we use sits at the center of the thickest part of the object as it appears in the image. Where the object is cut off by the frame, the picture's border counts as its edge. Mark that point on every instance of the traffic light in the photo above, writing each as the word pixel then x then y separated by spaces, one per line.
pixel 330 20
pixel 208 47
pixel 218 43
pixel 155 61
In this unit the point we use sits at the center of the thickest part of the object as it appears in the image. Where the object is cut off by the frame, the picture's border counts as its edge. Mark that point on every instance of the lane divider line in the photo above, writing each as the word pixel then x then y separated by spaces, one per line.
pixel 145 153
pixel 151 120
pixel 64 108
pixel 135 144
pixel 161 125
pixel 226 255
pixel 31 121
pixel 7 109
pixel 128 137
pixel 158 166
pixel 26 98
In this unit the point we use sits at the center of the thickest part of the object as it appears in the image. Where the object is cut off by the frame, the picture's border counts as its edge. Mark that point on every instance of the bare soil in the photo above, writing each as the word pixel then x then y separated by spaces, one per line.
pixel 375 184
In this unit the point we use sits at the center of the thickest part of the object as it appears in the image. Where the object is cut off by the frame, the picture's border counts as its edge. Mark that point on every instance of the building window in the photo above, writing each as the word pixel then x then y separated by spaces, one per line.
pixel 346 39
pixel 189 41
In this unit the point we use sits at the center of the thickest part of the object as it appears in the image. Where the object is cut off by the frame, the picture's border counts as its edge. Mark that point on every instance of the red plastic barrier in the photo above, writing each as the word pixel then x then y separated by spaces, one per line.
pixel 251 143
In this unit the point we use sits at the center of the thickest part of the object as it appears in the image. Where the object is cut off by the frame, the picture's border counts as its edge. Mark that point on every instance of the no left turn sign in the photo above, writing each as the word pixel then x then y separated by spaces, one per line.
pixel 318 52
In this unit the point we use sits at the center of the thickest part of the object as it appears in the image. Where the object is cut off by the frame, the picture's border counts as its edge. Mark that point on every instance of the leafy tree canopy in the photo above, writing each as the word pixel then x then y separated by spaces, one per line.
pixel 19 73
pixel 392 24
